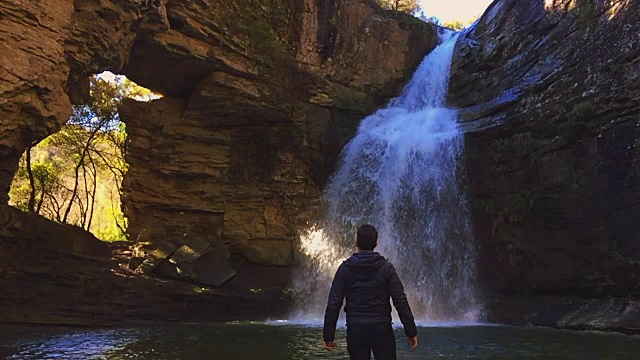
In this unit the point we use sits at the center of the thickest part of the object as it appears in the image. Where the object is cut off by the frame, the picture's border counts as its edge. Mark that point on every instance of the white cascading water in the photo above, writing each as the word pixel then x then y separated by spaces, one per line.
pixel 401 174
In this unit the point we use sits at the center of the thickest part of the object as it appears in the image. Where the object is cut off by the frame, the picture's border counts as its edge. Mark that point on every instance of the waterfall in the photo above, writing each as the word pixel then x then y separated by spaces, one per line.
pixel 401 173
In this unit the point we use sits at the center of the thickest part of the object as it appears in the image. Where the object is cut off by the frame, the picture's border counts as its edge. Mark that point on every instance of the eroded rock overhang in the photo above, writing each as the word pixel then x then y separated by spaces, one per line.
pixel 259 98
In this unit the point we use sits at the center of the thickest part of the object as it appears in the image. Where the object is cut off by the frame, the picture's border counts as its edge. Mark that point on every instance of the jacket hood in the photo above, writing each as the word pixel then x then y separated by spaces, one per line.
pixel 365 264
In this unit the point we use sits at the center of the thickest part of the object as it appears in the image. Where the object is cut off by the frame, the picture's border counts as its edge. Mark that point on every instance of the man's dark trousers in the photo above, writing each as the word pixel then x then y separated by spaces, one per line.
pixel 361 340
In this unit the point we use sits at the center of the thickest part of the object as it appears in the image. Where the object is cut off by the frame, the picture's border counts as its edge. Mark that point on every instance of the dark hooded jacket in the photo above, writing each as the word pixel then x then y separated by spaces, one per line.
pixel 367 280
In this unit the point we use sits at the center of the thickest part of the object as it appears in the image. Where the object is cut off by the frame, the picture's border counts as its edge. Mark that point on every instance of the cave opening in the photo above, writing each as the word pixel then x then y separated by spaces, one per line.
pixel 74 176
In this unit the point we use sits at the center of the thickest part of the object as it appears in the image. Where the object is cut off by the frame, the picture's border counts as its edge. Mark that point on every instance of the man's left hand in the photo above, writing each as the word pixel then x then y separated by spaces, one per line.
pixel 329 345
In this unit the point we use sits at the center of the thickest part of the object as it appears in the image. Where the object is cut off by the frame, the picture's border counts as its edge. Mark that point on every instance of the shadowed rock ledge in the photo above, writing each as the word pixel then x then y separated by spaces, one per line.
pixel 61 275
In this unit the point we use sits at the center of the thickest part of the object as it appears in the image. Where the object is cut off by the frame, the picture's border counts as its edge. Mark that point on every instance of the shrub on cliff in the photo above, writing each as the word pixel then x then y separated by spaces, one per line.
pixel 408 6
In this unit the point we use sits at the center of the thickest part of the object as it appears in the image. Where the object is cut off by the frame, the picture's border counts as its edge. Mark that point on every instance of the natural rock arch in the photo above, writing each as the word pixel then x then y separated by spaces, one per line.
pixel 278 88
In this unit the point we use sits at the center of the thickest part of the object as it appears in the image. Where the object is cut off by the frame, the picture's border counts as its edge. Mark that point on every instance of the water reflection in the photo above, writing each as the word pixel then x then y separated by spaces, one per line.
pixel 82 345
pixel 242 341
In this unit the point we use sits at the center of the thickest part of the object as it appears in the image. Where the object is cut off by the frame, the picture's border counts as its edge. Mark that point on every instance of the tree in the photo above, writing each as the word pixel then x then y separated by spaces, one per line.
pixel 459 25
pixel 74 176
pixel 454 25
pixel 408 6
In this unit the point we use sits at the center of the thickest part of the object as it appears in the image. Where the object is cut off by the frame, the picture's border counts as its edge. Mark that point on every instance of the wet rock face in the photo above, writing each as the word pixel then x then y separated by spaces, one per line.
pixel 550 95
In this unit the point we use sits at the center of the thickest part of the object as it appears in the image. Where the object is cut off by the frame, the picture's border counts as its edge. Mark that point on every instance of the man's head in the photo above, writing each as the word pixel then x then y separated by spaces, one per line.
pixel 367 238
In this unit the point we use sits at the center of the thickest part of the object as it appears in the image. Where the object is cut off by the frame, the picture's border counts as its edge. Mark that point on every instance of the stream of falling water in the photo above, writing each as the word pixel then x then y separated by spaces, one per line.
pixel 401 174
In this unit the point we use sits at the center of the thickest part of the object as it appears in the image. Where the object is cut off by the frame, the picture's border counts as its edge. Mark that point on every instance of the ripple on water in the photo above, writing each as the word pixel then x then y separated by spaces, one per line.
pixel 283 340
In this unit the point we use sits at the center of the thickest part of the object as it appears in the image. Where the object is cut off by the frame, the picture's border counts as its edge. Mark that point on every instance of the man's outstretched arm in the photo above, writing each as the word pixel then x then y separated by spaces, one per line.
pixel 334 304
pixel 402 305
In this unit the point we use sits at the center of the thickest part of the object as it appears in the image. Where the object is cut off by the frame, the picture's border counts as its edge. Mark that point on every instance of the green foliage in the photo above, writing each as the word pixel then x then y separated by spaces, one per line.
pixel 20 189
pixel 515 205
pixel 455 25
pixel 407 6
pixel 77 172
pixel 481 27
pixel 431 19
pixel 112 215
pixel 577 118
pixel 485 205
pixel 586 15
pixel 504 148
pixel 613 67
pixel 519 204
pixel 264 27
pixel 46 179
pixel 472 155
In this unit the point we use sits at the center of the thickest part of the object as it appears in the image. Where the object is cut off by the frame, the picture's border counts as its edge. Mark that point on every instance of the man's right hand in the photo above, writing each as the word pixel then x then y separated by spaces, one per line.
pixel 329 345
pixel 413 342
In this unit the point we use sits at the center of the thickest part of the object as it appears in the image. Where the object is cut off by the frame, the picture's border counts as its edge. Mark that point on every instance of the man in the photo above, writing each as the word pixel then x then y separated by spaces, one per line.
pixel 368 281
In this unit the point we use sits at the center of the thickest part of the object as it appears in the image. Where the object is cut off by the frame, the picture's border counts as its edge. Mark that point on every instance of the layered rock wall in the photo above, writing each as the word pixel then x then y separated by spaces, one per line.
pixel 259 98
pixel 49 48
pixel 227 169
pixel 550 92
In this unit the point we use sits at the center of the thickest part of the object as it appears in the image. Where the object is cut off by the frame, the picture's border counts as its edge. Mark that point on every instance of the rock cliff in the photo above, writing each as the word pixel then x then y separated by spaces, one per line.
pixel 259 98
pixel 49 48
pixel 227 168
pixel 550 92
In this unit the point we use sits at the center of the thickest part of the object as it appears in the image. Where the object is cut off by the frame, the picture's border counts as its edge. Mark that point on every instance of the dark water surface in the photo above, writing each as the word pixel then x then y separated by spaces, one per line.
pixel 252 341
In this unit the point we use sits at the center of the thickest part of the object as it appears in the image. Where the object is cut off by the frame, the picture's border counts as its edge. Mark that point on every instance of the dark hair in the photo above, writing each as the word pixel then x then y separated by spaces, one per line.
pixel 367 238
